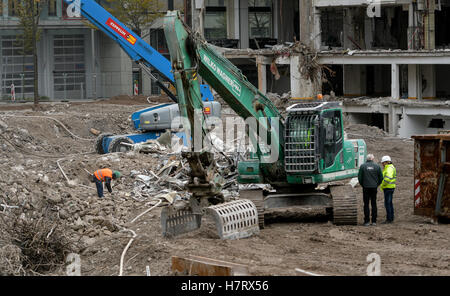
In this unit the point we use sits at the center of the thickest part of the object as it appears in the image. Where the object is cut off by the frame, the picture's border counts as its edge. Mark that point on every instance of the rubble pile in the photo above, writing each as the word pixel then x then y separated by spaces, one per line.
pixel 34 188
pixel 361 130
pixel 281 102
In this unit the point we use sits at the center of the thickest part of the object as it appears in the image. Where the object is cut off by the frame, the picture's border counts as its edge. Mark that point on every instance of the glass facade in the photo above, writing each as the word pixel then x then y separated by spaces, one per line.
pixel 69 76
pixel 17 67
pixel 215 20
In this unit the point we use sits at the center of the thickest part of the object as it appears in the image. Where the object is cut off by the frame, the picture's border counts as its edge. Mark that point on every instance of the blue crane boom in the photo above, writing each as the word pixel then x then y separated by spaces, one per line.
pixel 138 50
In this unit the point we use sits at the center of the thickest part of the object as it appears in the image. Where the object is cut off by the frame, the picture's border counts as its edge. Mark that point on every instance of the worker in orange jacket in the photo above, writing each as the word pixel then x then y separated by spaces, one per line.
pixel 104 175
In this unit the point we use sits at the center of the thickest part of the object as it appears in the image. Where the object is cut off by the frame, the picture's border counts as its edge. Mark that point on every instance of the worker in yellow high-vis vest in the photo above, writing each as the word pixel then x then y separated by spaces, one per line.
pixel 388 187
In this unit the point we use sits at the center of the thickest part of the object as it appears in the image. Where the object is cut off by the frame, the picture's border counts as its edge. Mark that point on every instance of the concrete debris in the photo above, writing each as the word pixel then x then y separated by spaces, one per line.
pixel 353 182
pixel 171 178
pixel 281 102
pixel 95 132
pixel 150 146
pixel 32 187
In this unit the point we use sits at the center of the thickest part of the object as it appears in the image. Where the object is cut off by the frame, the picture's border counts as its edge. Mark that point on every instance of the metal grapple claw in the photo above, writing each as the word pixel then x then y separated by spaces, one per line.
pixel 235 219
pixel 177 222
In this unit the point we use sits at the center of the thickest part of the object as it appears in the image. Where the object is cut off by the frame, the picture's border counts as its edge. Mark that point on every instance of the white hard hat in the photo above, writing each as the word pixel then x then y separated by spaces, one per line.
pixel 385 158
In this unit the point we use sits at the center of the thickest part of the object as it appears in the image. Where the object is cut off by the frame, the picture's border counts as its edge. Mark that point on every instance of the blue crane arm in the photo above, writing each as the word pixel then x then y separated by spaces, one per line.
pixel 138 50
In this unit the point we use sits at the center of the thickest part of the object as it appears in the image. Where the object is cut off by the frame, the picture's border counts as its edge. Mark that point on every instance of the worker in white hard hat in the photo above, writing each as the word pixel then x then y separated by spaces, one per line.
pixel 388 187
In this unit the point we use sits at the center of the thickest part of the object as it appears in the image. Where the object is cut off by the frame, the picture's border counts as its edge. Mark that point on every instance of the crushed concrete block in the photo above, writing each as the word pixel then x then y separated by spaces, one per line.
pixel 3 125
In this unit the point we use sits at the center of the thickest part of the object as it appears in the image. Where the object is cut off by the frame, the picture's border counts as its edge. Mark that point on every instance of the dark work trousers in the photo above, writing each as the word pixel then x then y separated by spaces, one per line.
pixel 370 195
pixel 99 185
pixel 388 195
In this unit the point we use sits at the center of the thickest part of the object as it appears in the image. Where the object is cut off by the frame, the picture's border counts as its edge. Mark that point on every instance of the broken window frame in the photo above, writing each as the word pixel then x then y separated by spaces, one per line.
pixel 16 67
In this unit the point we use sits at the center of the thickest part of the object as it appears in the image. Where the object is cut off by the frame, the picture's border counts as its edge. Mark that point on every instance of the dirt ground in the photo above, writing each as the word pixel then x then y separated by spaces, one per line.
pixel 30 179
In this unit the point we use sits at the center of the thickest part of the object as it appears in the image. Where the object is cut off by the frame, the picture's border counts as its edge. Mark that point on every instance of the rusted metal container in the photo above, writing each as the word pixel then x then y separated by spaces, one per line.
pixel 431 175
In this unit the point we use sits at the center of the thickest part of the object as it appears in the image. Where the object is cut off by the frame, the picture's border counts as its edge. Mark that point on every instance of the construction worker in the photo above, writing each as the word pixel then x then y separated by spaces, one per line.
pixel 370 177
pixel 104 175
pixel 388 187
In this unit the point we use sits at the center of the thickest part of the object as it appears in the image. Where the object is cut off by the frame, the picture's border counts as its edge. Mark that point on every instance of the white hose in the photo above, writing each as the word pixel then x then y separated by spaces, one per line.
pixel 146 211
pixel 125 250
pixel 134 236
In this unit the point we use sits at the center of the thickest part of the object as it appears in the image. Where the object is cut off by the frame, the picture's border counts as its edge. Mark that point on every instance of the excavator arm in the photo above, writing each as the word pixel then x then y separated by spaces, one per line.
pixel 191 56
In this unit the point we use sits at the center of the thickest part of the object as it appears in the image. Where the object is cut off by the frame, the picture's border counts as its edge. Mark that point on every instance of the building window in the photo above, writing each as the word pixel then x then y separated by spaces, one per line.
pixel 69 78
pixel 52 7
pixel 260 18
pixel 12 7
pixel 158 41
pixel 17 67
pixel 215 20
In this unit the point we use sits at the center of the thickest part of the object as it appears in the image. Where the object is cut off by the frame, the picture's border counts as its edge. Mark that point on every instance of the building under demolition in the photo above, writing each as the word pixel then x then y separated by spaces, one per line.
pixel 387 60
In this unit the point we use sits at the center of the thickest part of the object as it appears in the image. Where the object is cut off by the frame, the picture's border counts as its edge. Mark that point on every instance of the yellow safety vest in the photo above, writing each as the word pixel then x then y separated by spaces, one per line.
pixel 389 177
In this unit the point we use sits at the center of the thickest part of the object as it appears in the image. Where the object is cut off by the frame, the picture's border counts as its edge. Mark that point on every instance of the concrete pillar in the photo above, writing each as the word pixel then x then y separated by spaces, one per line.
pixel 45 64
pixel 429 25
pixel 196 8
pixel 368 32
pixel 317 32
pixel 295 78
pixel 306 22
pixel 277 23
pixel 262 78
pixel 236 20
pixel 393 121
pixel 348 29
pixel 301 89
pixel 354 80
pixel 429 80
pixel 386 122
pixel 395 84
pixel 244 24
pixel 411 28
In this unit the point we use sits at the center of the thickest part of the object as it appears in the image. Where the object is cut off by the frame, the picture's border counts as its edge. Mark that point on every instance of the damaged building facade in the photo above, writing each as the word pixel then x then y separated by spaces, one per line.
pixel 387 60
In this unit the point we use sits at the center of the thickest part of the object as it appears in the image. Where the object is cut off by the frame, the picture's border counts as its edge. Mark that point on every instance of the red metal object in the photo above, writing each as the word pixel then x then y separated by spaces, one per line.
pixel 431 175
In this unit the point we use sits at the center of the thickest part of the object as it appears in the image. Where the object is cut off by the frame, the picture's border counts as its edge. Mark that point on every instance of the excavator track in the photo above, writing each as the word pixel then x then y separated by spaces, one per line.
pixel 257 197
pixel 345 205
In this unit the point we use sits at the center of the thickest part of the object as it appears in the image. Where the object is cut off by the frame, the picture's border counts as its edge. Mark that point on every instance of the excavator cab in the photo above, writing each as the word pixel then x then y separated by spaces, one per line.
pixel 313 137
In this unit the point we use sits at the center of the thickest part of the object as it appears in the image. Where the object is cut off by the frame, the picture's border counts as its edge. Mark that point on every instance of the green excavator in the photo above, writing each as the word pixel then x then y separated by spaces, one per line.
pixel 294 154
